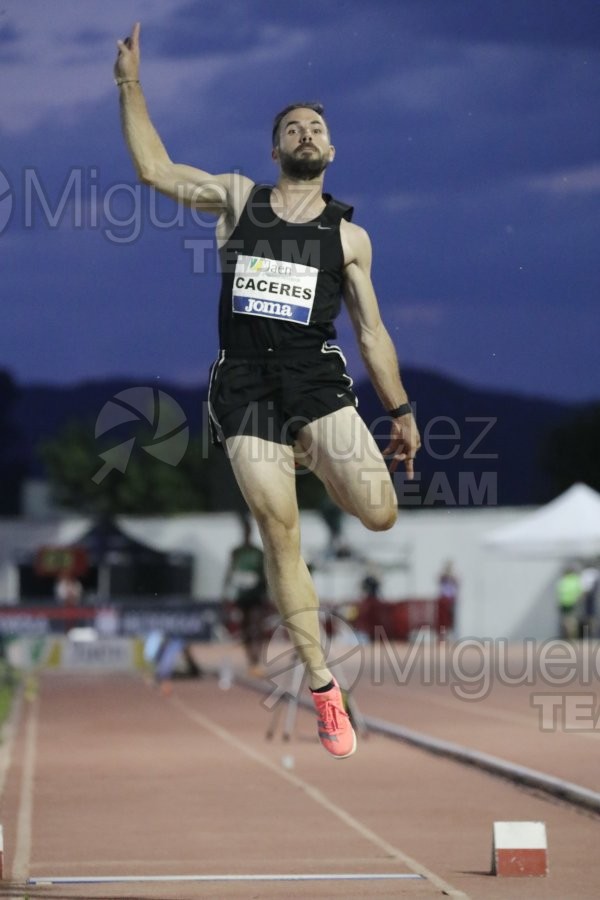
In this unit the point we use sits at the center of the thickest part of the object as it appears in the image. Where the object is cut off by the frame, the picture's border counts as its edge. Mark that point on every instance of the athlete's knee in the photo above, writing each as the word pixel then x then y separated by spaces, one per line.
pixel 379 507
pixel 380 518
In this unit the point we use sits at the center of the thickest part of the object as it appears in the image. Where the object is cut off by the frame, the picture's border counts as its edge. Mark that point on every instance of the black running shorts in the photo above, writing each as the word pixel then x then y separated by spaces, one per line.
pixel 274 397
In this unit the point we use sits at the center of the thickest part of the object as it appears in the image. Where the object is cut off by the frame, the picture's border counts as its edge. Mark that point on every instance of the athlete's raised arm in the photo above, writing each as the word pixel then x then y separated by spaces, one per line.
pixel 220 194
pixel 376 346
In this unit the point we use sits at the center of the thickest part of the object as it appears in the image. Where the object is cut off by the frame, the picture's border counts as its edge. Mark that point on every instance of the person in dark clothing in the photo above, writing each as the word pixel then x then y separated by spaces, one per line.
pixel 279 391
pixel 246 586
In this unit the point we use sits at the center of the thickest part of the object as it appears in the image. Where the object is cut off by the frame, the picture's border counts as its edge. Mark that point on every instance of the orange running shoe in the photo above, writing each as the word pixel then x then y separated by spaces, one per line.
pixel 335 730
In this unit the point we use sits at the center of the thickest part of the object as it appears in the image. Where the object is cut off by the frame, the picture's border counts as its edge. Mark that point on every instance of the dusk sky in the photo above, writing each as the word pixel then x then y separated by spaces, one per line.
pixel 468 140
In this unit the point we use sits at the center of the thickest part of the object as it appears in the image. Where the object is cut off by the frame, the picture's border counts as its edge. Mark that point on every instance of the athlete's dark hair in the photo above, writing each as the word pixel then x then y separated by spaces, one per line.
pixel 310 104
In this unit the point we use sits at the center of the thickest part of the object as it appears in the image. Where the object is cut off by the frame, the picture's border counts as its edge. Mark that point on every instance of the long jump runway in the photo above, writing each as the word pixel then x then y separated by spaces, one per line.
pixel 114 790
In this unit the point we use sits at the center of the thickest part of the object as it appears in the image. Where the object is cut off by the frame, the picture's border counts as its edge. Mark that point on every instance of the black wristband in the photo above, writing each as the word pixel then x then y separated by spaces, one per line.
pixel 402 410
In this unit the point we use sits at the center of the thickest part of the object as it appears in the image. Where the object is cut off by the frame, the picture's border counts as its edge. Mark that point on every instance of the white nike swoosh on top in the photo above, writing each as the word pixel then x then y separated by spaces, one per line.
pixel 324 227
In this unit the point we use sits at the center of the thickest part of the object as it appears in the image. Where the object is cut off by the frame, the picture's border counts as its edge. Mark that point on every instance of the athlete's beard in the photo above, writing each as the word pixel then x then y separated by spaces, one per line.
pixel 303 168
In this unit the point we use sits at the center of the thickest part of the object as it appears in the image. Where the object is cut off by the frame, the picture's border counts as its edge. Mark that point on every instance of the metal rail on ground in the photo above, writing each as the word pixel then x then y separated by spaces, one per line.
pixel 558 788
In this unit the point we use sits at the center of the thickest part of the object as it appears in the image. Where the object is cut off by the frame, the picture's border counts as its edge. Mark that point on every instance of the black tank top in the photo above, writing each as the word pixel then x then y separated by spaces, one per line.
pixel 281 281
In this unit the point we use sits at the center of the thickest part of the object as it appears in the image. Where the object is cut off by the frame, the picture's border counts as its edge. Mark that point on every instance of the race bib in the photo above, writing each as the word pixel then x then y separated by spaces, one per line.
pixel 274 289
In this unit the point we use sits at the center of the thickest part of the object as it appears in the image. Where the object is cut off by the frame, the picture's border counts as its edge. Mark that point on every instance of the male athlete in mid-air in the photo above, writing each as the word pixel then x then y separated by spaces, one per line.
pixel 279 391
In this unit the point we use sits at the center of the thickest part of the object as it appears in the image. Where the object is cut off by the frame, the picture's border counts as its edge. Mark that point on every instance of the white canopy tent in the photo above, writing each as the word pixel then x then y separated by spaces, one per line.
pixel 567 527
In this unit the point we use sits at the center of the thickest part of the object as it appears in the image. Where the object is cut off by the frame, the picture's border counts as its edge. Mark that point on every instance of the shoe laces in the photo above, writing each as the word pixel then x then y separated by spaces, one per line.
pixel 331 714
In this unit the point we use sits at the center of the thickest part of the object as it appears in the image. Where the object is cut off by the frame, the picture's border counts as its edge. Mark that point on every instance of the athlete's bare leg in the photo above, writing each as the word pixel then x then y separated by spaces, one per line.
pixel 341 451
pixel 266 475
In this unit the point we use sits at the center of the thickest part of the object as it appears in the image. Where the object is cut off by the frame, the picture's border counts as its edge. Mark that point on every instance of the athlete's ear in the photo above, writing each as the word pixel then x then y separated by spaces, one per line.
pixel 331 153
pixel 275 154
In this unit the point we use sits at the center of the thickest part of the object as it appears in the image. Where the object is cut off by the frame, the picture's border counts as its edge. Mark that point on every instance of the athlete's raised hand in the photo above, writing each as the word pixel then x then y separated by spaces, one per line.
pixel 127 65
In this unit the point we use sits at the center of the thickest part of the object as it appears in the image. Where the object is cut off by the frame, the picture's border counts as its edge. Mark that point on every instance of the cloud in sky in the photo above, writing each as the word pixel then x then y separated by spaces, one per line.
pixel 580 180
pixel 60 62
pixel 467 139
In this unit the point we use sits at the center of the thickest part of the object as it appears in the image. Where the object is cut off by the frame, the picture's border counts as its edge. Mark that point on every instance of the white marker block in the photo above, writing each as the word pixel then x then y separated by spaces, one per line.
pixel 519 849
pixel 1 854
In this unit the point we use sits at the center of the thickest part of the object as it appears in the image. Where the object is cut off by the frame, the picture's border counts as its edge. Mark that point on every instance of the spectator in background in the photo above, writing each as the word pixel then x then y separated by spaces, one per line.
pixel 447 599
pixel 68 593
pixel 245 584
pixel 590 584
pixel 370 611
pixel 333 518
pixel 68 590
pixel 568 594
